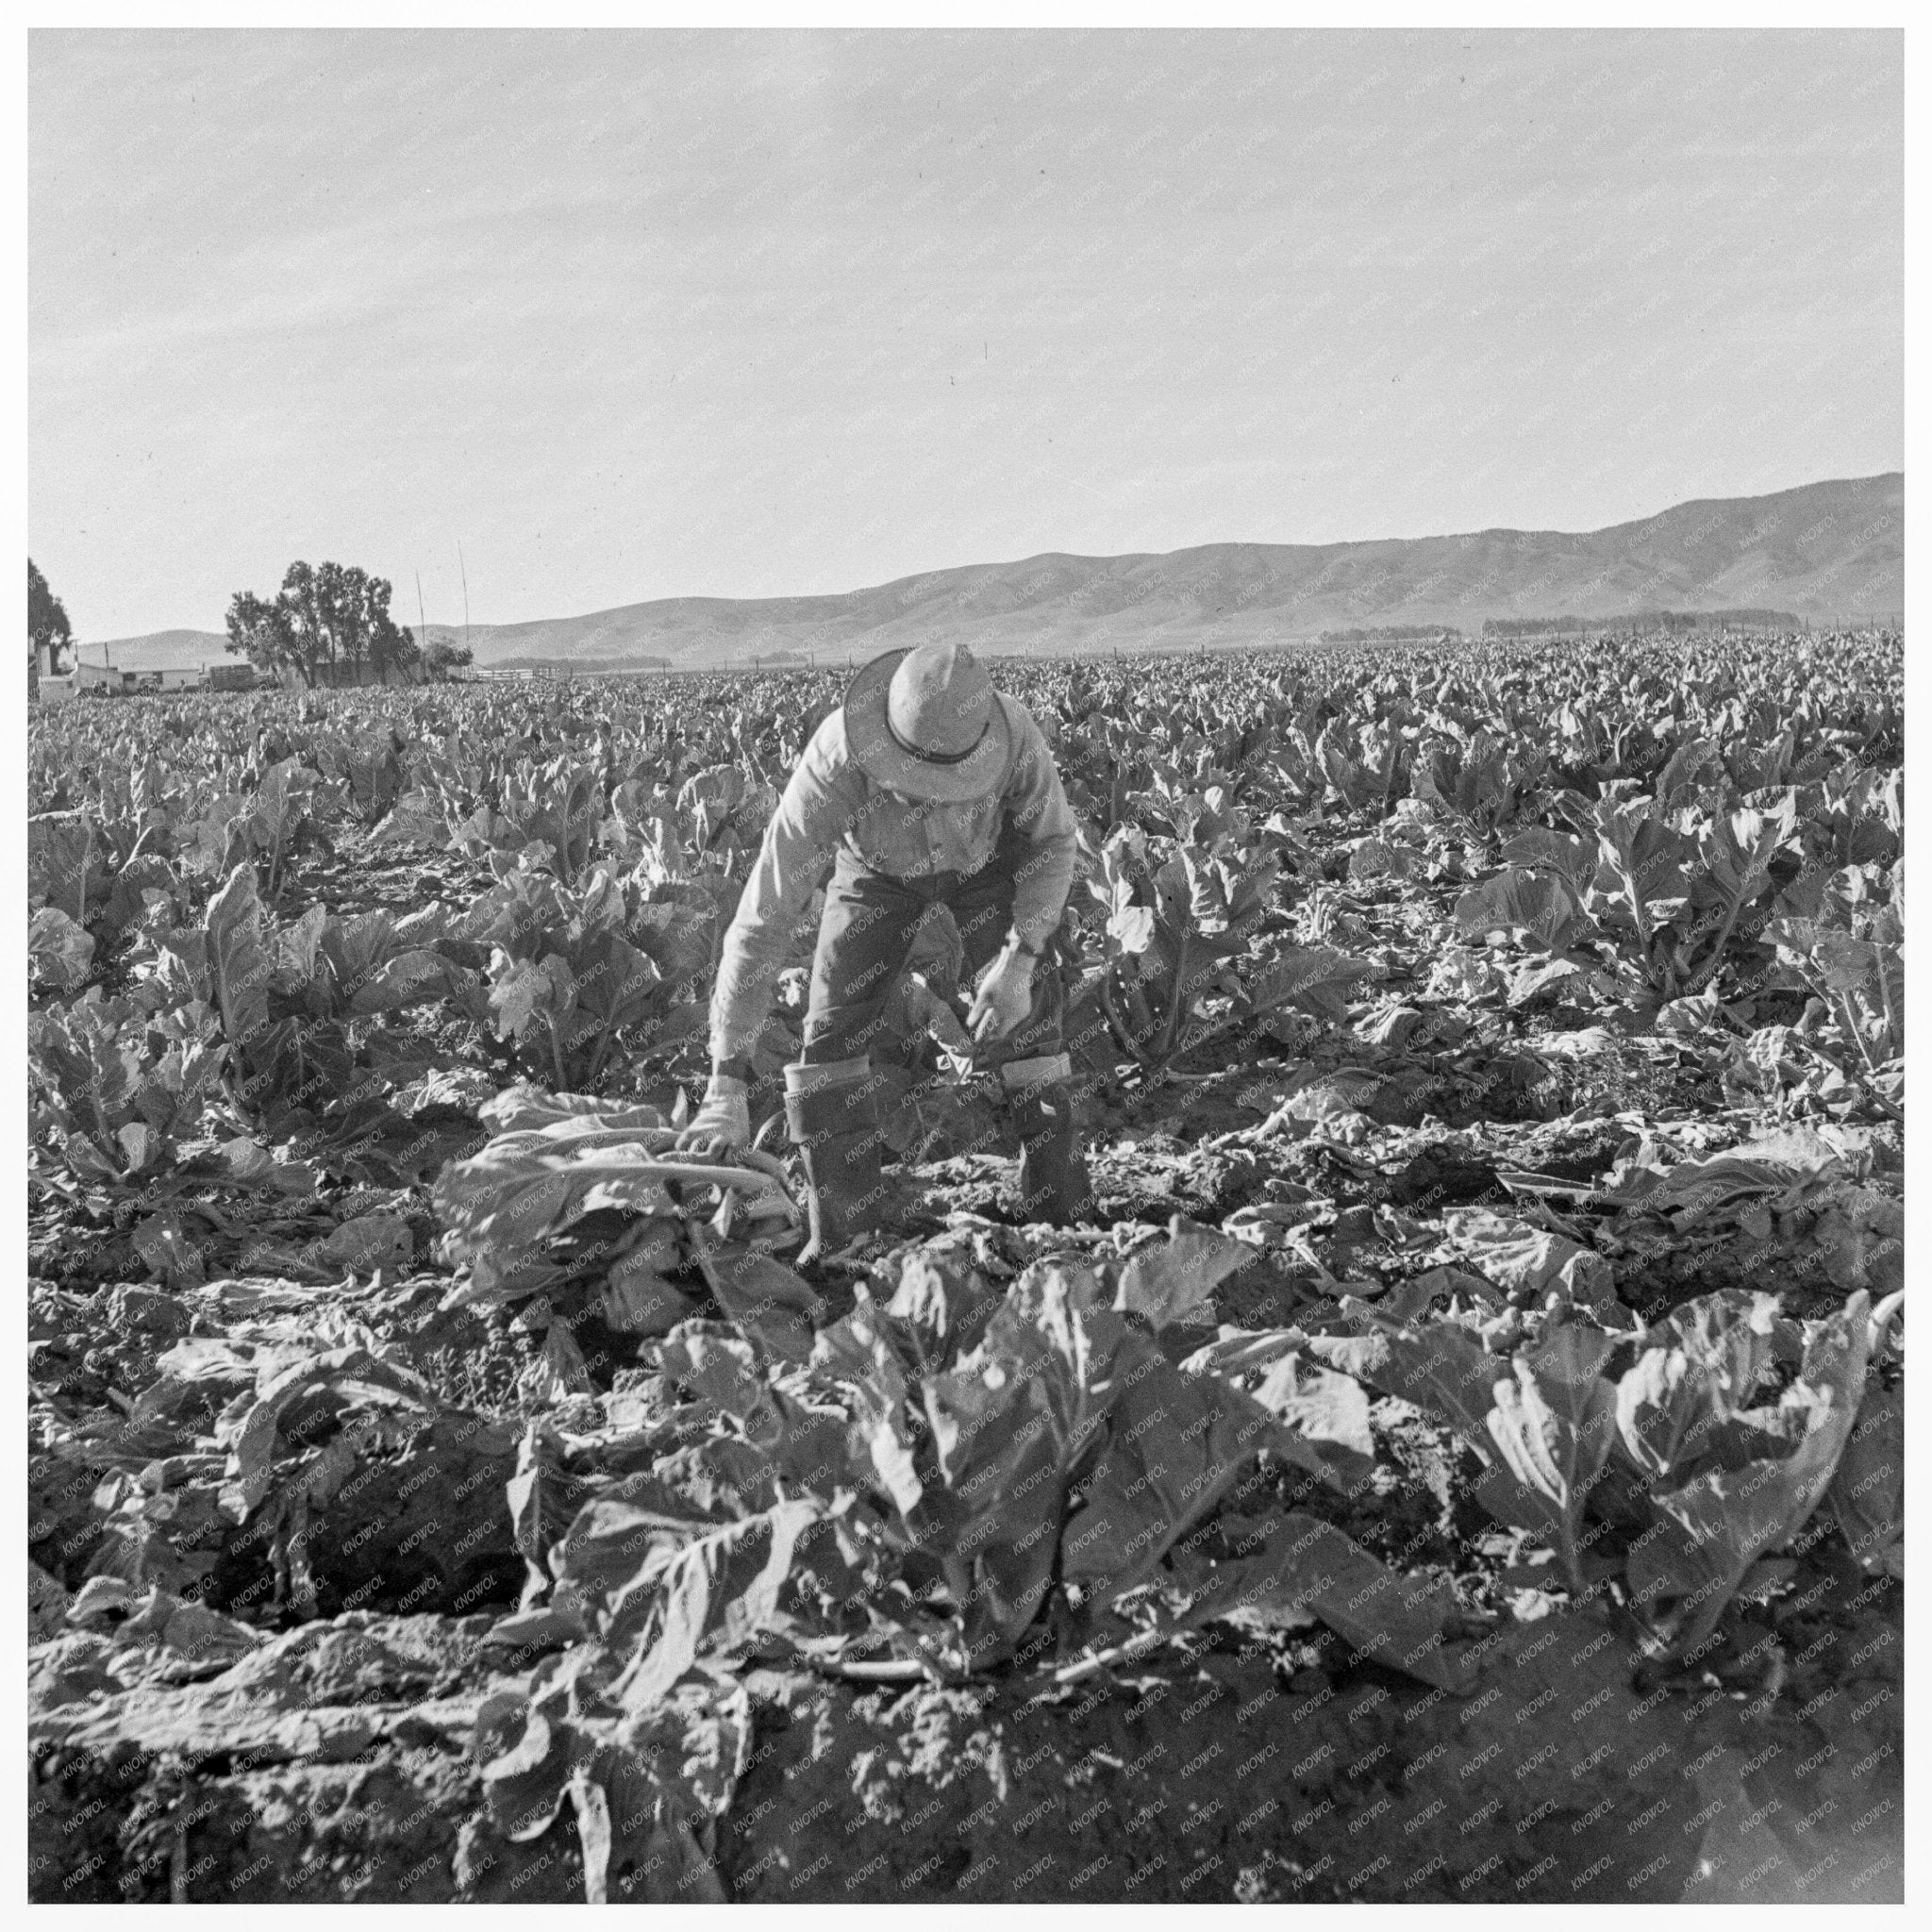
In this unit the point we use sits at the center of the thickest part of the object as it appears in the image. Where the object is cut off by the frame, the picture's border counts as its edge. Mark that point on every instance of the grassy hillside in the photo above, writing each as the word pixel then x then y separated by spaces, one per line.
pixel 164 650
pixel 1825 550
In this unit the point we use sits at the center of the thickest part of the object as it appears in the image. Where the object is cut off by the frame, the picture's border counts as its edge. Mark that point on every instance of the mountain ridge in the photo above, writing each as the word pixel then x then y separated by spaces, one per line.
pixel 1821 550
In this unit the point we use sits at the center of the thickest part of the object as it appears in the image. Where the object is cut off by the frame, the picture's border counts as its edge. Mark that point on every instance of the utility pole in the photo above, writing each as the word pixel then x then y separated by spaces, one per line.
pixel 422 621
pixel 464 569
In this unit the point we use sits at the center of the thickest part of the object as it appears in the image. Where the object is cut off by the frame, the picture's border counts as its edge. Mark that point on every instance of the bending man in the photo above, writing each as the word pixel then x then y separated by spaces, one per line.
pixel 928 789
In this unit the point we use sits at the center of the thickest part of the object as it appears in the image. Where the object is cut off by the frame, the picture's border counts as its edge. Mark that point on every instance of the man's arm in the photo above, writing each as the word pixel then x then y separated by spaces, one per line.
pixel 801 842
pixel 1037 804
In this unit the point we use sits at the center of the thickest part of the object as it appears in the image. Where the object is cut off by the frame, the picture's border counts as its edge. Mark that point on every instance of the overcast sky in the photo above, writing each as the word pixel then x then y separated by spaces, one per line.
pixel 643 315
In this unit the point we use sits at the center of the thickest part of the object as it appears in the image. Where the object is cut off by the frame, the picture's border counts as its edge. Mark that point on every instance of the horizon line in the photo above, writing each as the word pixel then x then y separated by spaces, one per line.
pixel 1070 556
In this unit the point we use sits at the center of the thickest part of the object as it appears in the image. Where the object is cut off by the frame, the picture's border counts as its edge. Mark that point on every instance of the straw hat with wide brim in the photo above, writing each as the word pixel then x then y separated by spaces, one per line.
pixel 928 722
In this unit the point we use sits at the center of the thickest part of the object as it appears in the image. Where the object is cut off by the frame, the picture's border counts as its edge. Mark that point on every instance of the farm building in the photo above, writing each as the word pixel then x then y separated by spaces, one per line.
pixel 113 680
pixel 102 677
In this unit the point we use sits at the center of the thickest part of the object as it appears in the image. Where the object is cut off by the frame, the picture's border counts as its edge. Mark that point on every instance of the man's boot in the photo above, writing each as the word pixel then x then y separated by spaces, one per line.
pixel 833 1118
pixel 1052 1175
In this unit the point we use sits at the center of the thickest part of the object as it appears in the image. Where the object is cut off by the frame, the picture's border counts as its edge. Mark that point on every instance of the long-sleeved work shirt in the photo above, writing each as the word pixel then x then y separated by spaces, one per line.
pixel 830 802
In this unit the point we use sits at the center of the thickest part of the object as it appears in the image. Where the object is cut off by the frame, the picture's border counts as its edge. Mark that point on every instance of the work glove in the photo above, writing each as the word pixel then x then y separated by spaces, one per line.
pixel 722 1124
pixel 1004 996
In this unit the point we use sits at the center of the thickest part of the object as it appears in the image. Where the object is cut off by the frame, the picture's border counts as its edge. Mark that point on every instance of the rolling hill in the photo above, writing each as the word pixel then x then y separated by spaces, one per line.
pixel 1823 550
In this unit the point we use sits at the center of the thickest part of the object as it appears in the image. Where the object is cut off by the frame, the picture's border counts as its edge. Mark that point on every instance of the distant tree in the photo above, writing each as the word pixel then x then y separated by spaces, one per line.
pixel 446 657
pixel 1394 634
pixel 46 621
pixel 330 624
pixel 264 633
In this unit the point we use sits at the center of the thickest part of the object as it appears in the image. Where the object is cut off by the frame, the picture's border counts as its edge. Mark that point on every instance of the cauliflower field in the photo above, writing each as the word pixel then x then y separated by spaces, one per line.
pixel 1462 1462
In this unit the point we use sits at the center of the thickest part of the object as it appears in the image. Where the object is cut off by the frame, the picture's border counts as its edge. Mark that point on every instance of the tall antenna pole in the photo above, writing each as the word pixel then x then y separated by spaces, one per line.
pixel 422 621
pixel 460 566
